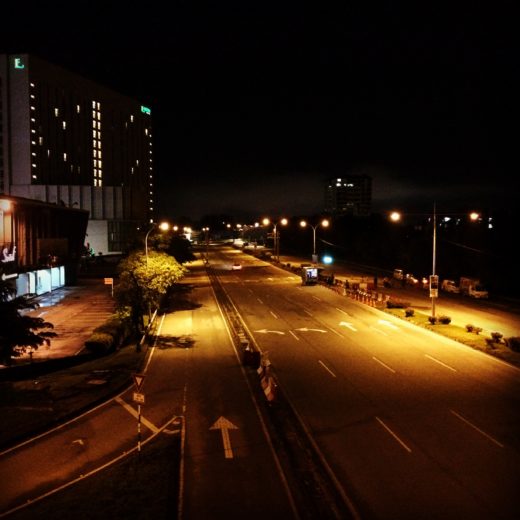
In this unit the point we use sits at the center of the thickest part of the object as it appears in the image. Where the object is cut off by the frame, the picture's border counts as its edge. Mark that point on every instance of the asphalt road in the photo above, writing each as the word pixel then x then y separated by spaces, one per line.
pixel 413 425
pixel 194 387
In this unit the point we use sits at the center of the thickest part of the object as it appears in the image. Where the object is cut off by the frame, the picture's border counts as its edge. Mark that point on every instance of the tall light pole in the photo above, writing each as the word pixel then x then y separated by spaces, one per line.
pixel 434 279
pixel 276 236
pixel 163 226
pixel 324 223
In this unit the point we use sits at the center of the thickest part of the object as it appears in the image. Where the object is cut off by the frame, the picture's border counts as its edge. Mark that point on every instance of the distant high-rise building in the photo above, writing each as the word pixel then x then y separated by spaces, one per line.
pixel 67 140
pixel 349 195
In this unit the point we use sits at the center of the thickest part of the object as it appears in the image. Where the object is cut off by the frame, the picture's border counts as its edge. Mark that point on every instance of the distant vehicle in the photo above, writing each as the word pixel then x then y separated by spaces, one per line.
pixel 410 279
pixel 237 266
pixel 398 274
pixel 472 287
pixel 309 275
pixel 450 286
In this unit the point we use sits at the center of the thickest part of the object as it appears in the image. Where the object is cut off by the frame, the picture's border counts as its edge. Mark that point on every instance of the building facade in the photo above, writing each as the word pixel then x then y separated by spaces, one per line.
pixel 69 141
pixel 41 244
pixel 349 195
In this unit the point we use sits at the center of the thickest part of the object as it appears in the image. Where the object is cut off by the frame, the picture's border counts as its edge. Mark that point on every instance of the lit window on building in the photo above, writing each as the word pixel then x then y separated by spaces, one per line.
pixel 64 124
pixel 33 108
pixel 32 84
pixel 131 118
pixel 40 140
pixel 78 109
pixel 65 156
pixel 93 104
pixel 56 112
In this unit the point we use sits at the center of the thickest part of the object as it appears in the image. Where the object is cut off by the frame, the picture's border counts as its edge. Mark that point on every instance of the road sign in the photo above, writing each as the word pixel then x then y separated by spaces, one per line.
pixel 109 281
pixel 138 381
pixel 138 398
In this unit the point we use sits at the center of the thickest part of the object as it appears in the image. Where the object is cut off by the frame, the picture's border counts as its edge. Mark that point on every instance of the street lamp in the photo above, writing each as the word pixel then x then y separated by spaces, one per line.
pixel 276 235
pixel 163 226
pixel 324 223
pixel 395 216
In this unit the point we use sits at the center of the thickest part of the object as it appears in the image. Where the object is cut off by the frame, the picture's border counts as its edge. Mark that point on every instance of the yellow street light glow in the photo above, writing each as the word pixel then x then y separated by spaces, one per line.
pixel 303 223
pixel 325 223
pixel 164 226
pixel 266 221
pixel 284 222
pixel 474 215
pixel 395 216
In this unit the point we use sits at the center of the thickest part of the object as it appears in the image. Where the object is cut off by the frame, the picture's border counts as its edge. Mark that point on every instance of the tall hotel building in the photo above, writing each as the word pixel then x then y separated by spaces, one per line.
pixel 69 141
pixel 349 195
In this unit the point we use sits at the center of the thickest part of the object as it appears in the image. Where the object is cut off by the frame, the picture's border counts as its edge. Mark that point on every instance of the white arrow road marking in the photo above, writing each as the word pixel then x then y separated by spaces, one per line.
pixel 224 425
pixel 305 329
pixel 348 325
pixel 133 412
pixel 265 331
pixel 389 324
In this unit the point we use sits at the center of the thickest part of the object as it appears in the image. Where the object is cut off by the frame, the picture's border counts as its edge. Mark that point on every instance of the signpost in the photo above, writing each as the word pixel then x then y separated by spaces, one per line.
pixel 110 281
pixel 139 399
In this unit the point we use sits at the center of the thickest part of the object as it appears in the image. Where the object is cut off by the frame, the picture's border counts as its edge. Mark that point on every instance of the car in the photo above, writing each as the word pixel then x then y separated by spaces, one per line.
pixel 236 266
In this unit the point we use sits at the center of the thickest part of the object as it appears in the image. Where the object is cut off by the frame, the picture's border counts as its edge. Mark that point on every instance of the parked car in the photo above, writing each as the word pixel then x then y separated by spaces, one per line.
pixel 236 266
pixel 450 286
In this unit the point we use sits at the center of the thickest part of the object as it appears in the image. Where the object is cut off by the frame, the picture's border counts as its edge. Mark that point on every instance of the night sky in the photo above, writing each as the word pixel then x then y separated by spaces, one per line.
pixel 255 104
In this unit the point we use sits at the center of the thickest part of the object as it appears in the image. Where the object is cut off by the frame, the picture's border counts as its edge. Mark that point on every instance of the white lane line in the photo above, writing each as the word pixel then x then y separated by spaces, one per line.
pixel 316 298
pixel 342 311
pixel 441 363
pixel 394 435
pixel 476 428
pixel 274 315
pixel 326 368
pixel 294 335
pixel 336 332
pixel 307 312
pixel 383 364
pixel 388 324
pixel 377 330
pixel 348 325
pixel 133 412
pixel 260 301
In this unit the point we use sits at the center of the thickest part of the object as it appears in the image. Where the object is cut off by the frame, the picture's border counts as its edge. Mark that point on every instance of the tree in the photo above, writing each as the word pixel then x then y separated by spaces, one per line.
pixel 19 332
pixel 142 284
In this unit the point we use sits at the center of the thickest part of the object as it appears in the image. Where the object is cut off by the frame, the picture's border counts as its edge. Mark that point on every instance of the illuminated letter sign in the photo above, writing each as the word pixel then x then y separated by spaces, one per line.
pixel 18 63
pixel 145 110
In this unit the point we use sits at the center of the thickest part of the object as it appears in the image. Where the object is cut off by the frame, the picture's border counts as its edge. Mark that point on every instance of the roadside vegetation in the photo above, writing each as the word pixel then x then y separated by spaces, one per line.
pixel 507 349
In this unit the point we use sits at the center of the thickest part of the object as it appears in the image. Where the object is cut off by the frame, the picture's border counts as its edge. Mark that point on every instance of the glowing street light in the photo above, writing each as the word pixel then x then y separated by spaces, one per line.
pixel 276 235
pixel 395 216
pixel 163 226
pixel 324 223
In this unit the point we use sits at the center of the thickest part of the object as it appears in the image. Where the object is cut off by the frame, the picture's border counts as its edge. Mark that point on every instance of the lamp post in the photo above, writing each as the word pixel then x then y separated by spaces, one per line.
pixel 434 279
pixel 163 226
pixel 324 223
pixel 276 236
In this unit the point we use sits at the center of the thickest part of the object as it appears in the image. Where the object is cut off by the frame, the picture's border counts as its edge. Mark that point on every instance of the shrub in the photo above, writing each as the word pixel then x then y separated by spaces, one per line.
pixel 476 330
pixel 432 319
pixel 470 328
pixel 409 312
pixel 513 343
pixel 490 342
pixel 100 343
pixel 445 320
pixel 496 336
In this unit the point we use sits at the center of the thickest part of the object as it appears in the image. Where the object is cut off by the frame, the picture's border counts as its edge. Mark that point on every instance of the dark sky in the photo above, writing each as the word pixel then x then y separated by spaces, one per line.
pixel 254 104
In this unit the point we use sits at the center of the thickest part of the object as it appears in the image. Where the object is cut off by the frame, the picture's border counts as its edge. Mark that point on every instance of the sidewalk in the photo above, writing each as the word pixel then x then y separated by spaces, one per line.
pixel 75 311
